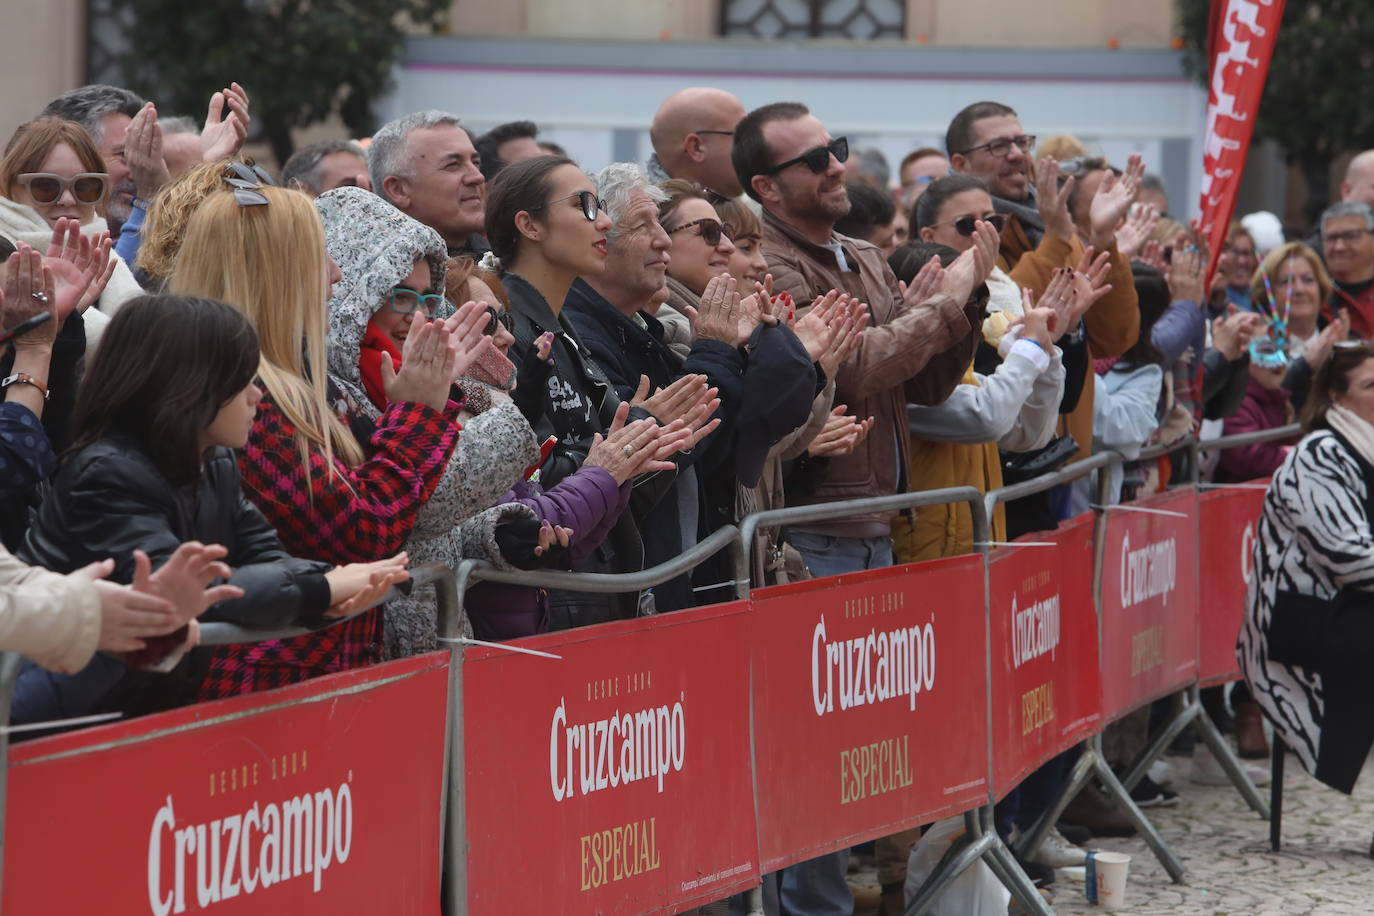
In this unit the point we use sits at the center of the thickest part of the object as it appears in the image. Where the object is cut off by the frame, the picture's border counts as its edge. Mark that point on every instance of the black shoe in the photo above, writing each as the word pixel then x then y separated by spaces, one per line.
pixel 1078 836
pixel 1040 875
pixel 1150 794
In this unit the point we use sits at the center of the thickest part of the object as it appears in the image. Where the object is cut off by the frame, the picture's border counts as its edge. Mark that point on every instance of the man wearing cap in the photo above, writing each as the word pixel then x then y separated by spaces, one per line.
pixel 916 348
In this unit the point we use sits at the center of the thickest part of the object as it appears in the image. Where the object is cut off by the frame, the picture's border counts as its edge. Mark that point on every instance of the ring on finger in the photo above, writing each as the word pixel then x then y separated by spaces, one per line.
pixel 41 298
pixel 629 450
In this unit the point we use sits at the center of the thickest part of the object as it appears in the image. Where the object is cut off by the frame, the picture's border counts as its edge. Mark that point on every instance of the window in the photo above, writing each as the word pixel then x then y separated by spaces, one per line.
pixel 857 19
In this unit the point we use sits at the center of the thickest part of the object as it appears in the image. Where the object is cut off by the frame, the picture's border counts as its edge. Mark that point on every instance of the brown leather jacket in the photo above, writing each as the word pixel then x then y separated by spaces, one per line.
pixel 917 353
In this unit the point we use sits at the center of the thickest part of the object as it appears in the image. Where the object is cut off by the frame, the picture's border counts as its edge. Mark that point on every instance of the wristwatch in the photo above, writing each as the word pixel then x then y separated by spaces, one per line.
pixel 23 378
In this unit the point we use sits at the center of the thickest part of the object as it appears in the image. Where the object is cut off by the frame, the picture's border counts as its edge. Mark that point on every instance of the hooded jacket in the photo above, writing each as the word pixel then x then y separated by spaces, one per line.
pixel 376 247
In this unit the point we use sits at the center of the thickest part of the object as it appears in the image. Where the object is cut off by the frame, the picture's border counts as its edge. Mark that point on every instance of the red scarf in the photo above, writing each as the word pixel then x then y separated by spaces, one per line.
pixel 375 346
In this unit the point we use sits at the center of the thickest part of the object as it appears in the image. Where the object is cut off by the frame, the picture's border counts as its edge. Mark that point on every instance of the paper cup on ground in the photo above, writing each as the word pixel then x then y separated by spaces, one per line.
pixel 1111 877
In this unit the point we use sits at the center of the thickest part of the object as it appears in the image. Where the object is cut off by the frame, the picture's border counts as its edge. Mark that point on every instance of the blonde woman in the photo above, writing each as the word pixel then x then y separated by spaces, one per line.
pixel 333 493
pixel 165 227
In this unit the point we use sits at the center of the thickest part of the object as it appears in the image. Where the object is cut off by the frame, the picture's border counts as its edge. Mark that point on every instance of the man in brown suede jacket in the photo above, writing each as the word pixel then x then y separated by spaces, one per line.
pixel 917 346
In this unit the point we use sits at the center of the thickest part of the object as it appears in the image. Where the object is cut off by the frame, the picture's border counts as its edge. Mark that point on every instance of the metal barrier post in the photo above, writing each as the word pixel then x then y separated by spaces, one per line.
pixel 454 819
pixel 1191 711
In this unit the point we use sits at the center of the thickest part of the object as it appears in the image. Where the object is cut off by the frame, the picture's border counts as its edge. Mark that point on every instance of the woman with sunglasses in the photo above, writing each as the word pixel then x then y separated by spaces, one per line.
pixel 392 281
pixel 52 171
pixel 334 490
pixel 547 227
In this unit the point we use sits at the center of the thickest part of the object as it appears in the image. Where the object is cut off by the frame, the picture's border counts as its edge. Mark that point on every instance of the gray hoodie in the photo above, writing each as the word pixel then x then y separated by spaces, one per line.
pixel 376 247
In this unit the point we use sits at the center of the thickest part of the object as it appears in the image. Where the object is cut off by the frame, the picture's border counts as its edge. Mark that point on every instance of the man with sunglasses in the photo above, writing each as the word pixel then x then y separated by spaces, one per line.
pixel 693 134
pixel 916 347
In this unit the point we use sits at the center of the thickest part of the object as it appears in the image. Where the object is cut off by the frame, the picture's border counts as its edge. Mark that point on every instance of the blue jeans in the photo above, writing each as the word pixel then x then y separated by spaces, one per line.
pixel 827 555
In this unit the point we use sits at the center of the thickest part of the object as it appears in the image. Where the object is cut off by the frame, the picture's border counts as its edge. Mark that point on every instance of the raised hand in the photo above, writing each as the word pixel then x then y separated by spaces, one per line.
pixel 427 363
pixel 1052 199
pixel 716 317
pixel 143 153
pixel 673 402
pixel 464 328
pixel 925 284
pixel 1133 233
pixel 847 340
pixel 1113 201
pixel 826 319
pixel 1037 324
pixel 973 266
pixel 1319 350
pixel 223 135
pixel 1232 333
pixel 80 267
pixel 627 449
pixel 29 290
pixel 1185 275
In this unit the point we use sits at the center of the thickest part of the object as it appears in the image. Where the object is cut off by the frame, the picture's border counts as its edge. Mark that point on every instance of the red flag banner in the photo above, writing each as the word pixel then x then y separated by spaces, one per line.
pixel 1240 50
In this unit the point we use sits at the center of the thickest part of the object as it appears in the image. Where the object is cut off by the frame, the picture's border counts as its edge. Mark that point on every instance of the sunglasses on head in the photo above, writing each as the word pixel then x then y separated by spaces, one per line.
pixel 587 200
pixel 964 224
pixel 403 300
pixel 46 188
pixel 711 230
pixel 247 183
pixel 818 159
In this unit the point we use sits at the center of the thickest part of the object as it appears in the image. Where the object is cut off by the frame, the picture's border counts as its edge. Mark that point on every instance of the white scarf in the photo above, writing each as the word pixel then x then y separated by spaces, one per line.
pixel 21 223
pixel 1356 430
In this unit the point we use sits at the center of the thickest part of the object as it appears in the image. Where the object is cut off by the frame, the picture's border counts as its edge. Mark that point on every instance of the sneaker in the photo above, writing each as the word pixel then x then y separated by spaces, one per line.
pixel 1057 852
pixel 1162 772
pixel 1150 794
pixel 1206 771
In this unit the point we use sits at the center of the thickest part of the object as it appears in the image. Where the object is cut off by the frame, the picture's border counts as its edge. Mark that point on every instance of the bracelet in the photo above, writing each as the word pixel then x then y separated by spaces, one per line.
pixel 23 378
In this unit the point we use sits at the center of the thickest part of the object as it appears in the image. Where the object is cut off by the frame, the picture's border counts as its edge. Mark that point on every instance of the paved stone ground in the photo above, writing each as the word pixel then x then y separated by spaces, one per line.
pixel 1324 867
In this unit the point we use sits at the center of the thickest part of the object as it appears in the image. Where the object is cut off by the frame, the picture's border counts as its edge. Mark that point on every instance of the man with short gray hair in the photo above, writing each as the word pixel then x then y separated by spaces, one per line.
pixel 325 166
pixel 1347 231
pixel 105 112
pixel 426 166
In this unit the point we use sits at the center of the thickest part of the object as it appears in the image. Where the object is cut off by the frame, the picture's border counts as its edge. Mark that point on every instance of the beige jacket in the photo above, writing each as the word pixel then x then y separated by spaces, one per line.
pixel 51 618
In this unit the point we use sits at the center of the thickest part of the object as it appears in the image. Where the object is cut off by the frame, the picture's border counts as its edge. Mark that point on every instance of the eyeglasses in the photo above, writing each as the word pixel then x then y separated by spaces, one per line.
pixel 247 183
pixel 1002 145
pixel 723 133
pixel 588 200
pixel 818 159
pixel 711 230
pixel 495 318
pixel 1349 237
pixel 1240 252
pixel 403 300
pixel 46 188
pixel 964 224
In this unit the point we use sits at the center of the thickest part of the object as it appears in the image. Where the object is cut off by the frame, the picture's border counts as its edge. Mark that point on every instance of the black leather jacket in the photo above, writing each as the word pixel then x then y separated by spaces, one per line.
pixel 108 500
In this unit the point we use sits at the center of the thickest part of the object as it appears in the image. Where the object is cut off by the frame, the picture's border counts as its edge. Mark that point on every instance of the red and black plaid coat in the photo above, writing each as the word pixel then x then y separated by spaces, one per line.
pixel 344 515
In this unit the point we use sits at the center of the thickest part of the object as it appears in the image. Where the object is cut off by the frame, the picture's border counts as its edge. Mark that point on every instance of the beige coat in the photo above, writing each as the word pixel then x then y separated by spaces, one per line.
pixel 51 618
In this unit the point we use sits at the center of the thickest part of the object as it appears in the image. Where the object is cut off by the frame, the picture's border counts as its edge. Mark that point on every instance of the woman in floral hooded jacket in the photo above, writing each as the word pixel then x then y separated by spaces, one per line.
pixel 385 258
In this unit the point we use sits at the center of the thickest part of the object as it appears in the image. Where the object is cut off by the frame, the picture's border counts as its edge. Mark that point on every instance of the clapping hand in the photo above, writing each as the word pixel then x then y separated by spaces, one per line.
pixel 427 366
pixel 1133 233
pixel 28 291
pixel 143 153
pixel 1113 201
pixel 81 267
pixel 972 267
pixel 223 135
pixel 840 435
pixel 1052 199
pixel 925 284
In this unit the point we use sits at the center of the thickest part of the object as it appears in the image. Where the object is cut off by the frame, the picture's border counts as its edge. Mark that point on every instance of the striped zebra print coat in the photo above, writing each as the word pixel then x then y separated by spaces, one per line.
pixel 1314 538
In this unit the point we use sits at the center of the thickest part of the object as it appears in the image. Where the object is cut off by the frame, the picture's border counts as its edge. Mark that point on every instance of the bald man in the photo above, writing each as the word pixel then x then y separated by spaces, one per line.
pixel 1358 185
pixel 693 133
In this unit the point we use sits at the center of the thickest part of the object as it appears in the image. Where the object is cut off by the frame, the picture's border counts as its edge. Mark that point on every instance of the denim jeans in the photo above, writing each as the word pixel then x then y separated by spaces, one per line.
pixel 827 555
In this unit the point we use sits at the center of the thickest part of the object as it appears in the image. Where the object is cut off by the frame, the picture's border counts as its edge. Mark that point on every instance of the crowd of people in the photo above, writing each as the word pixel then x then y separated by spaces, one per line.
pixel 232 396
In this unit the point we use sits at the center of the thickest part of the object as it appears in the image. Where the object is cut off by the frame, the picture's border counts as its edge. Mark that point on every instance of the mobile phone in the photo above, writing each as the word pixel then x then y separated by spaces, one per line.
pixel 24 327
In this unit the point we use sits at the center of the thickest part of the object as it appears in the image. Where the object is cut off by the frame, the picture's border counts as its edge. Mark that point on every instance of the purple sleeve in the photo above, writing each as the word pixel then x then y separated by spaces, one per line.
pixel 587 501
pixel 1251 462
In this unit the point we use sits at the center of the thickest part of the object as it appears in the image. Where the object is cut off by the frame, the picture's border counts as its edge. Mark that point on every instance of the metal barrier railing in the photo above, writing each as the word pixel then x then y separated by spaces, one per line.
pixel 980 841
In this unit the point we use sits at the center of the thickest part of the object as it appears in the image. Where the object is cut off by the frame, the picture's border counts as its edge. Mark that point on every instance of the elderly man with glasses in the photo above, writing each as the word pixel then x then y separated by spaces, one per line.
pixel 1347 234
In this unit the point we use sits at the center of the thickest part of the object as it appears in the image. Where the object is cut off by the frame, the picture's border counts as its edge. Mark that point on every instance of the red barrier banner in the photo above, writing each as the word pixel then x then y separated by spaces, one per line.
pixel 1227 521
pixel 870 705
pixel 616 778
pixel 278 802
pixel 1149 600
pixel 1046 681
